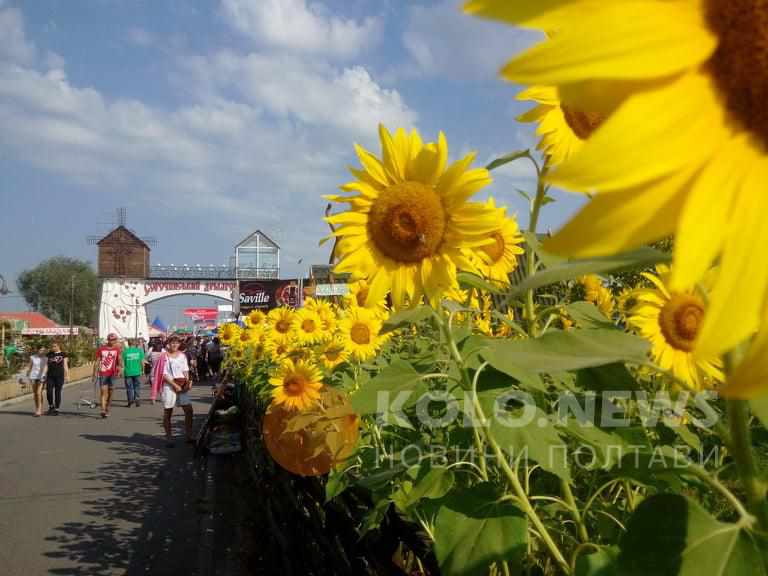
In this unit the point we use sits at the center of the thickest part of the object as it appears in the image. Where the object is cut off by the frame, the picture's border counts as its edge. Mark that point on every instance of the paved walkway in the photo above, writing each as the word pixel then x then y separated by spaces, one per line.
pixel 84 496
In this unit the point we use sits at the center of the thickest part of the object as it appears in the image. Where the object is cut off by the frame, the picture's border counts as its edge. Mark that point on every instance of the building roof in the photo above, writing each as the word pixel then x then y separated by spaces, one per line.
pixel 259 233
pixel 33 319
pixel 127 232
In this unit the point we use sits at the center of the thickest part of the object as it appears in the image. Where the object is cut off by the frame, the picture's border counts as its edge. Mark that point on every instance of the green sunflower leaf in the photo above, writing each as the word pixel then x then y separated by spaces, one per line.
pixel 687 542
pixel 571 269
pixel 473 530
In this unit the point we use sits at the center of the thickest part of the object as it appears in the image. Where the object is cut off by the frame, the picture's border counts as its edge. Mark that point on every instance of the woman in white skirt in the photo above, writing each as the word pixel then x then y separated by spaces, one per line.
pixel 35 370
pixel 176 386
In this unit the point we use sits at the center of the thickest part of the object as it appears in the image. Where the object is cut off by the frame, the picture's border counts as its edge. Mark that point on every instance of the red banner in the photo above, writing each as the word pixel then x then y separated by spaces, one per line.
pixel 207 314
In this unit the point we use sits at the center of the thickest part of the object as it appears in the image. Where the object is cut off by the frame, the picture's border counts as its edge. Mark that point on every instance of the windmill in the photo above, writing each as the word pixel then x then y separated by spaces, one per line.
pixel 122 252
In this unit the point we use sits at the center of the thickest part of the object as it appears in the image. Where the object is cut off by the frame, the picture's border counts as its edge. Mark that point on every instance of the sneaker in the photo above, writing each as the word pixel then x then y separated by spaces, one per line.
pixel 55 411
pixel 103 414
pixel 130 404
pixel 136 404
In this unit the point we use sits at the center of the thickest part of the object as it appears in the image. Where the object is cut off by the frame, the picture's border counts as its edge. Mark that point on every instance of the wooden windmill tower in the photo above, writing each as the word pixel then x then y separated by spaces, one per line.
pixel 122 253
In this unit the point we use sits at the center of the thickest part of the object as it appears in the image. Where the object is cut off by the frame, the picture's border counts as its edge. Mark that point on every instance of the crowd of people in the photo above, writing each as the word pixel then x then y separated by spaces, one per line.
pixel 169 366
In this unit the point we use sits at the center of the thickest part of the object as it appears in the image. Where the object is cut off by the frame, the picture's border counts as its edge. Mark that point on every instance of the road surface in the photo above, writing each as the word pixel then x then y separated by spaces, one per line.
pixel 80 495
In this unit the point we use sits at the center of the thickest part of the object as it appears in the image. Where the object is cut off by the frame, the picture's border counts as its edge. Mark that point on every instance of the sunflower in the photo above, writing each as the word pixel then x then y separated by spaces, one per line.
pixel 685 149
pixel 671 321
pixel 236 353
pixel 625 301
pixel 327 313
pixel 495 261
pixel 410 219
pixel 307 327
pixel 229 333
pixel 280 320
pixel 255 318
pixel 360 330
pixel 296 384
pixel 332 353
pixel 597 294
pixel 248 335
pixel 277 349
pixel 563 129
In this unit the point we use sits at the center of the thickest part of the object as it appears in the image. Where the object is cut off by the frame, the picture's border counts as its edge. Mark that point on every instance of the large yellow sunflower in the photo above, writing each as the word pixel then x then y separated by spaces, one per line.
pixel 307 327
pixel 229 333
pixel 495 261
pixel 360 329
pixel 563 129
pixel 255 318
pixel 671 320
pixel 685 149
pixel 296 385
pixel 410 219
pixel 280 321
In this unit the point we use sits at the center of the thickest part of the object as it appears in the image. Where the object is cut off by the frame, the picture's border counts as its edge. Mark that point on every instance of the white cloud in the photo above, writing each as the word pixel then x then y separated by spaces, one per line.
pixel 314 93
pixel 442 40
pixel 13 43
pixel 262 137
pixel 294 25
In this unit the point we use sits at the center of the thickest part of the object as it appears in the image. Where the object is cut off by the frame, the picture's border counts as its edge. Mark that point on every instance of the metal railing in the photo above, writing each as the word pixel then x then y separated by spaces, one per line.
pixel 211 272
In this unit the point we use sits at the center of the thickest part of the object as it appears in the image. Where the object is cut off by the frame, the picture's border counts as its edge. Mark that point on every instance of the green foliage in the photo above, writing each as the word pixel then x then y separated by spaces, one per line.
pixel 48 288
pixel 474 529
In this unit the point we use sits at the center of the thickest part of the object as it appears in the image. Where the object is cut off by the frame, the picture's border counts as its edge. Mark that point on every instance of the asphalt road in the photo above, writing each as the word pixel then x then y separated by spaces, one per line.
pixel 80 495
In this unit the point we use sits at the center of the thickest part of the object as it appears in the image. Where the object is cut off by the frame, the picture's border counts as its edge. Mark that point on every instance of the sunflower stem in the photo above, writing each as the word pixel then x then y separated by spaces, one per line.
pixel 522 497
pixel 533 222
pixel 741 449
pixel 466 382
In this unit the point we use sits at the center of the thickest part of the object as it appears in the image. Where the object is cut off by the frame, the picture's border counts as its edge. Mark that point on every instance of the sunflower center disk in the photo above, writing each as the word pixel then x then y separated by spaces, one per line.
pixel 283 326
pixel 332 354
pixel 294 385
pixel 680 320
pixel 582 123
pixel 496 250
pixel 360 334
pixel 740 63
pixel 308 325
pixel 407 222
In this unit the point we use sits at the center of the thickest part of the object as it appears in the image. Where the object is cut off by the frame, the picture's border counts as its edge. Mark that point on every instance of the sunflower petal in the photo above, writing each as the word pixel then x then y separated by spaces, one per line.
pixel 634 40
pixel 737 300
pixel 704 219
pixel 642 140
pixel 750 378
pixel 391 156
pixel 372 165
pixel 612 223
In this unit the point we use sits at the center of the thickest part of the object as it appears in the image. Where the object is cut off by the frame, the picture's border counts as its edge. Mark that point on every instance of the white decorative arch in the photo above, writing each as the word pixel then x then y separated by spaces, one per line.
pixel 123 302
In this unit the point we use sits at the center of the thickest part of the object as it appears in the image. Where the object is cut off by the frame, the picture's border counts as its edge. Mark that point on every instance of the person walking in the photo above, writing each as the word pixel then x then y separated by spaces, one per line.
pixel 155 371
pixel 106 370
pixel 35 371
pixel 176 385
pixel 133 364
pixel 215 357
pixel 55 374
pixel 202 360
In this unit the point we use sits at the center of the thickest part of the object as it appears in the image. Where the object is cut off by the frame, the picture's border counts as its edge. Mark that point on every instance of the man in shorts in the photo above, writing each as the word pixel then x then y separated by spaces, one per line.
pixel 106 370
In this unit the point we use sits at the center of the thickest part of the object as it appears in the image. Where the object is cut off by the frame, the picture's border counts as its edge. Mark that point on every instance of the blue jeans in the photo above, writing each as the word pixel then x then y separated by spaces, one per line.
pixel 132 384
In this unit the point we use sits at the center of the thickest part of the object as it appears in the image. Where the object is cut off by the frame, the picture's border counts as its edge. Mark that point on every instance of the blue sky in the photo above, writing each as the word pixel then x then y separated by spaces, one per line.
pixel 208 120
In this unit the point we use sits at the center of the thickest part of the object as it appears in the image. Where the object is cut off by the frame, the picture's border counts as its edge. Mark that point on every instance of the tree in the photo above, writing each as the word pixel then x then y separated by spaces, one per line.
pixel 48 288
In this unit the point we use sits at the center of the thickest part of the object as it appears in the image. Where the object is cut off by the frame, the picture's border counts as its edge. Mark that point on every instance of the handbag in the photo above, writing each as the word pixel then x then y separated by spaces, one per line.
pixel 181 382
